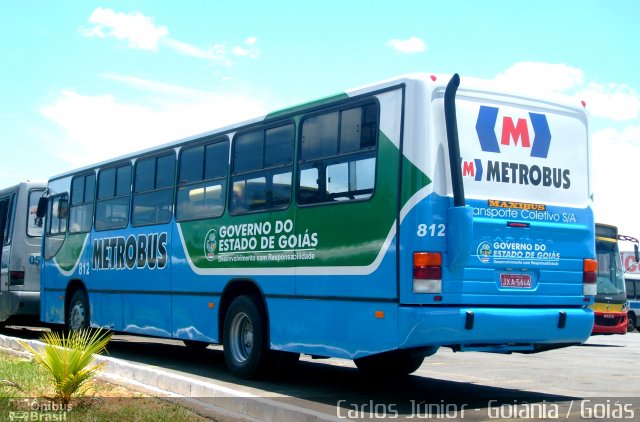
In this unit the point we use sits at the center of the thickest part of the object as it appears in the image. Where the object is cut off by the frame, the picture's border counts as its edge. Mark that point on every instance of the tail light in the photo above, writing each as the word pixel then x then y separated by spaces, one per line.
pixel 16 278
pixel 427 272
pixel 589 277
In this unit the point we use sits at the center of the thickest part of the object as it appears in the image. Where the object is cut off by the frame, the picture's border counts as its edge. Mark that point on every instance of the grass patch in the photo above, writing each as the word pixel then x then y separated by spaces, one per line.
pixel 24 386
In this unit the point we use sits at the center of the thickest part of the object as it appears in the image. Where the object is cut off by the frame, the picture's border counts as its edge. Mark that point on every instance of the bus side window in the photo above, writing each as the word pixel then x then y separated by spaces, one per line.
pixel 202 181
pixel 34 223
pixel 153 190
pixel 5 219
pixel 262 175
pixel 629 284
pixel 114 192
pixel 57 214
pixel 83 190
pixel 338 155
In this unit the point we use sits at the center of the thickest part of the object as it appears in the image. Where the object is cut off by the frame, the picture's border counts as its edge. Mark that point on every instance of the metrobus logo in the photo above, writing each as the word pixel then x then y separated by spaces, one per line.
pixel 515 134
pixel 514 131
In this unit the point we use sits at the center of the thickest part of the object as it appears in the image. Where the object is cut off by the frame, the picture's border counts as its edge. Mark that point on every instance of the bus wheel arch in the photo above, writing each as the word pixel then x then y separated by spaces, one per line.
pixel 234 289
pixel 76 306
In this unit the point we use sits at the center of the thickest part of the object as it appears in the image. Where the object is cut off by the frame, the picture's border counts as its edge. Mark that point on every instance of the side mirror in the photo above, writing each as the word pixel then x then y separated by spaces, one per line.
pixel 636 254
pixel 42 207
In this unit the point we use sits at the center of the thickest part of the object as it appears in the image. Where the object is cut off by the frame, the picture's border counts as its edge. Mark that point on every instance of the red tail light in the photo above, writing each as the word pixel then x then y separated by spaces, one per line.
pixel 589 277
pixel 16 278
pixel 427 272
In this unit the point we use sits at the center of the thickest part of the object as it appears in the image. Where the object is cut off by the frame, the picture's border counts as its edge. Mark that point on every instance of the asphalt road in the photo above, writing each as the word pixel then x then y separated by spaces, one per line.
pixel 597 380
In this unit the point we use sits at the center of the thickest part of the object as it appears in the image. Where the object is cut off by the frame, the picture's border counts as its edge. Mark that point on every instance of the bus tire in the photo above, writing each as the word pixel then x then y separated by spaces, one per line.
pixel 246 351
pixel 631 322
pixel 77 316
pixel 396 363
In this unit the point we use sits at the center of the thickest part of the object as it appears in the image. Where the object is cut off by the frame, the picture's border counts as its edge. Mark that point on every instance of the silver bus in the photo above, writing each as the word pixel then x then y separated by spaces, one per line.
pixel 21 233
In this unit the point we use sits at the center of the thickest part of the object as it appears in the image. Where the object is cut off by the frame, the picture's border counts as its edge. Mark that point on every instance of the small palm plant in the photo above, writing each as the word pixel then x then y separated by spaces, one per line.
pixel 68 358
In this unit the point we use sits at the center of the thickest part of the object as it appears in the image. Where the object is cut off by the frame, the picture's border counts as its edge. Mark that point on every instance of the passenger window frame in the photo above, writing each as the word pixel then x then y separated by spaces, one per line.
pixel 322 162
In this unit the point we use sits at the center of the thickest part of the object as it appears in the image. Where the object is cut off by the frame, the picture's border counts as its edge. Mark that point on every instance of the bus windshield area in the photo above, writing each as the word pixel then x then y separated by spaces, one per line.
pixel 610 274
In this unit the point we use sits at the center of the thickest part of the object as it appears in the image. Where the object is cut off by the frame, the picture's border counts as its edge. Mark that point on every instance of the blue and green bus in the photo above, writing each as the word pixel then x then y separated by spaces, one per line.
pixel 375 225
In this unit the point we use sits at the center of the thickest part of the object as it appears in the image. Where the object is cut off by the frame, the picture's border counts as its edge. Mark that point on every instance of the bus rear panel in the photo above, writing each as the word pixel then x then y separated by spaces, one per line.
pixel 515 280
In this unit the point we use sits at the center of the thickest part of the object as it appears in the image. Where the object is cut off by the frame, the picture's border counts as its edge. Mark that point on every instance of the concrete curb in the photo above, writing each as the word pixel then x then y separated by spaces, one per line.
pixel 155 379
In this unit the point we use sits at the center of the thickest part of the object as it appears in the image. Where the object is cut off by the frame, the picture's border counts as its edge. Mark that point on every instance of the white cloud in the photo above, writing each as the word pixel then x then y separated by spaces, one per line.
pixel 616 159
pixel 612 101
pixel 541 77
pixel 249 51
pixel 99 127
pixel 409 46
pixel 217 52
pixel 140 31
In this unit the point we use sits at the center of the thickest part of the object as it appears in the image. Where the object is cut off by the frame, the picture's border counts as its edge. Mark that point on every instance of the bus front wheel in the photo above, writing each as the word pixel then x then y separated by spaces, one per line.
pixel 395 363
pixel 631 322
pixel 244 339
pixel 78 311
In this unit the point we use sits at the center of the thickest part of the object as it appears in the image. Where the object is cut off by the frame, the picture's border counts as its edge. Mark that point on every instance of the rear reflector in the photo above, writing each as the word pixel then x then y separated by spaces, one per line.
pixel 517 224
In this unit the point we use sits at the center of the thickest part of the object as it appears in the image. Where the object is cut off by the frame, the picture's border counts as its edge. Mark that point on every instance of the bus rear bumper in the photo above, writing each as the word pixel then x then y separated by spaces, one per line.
pixel 493 329
pixel 24 302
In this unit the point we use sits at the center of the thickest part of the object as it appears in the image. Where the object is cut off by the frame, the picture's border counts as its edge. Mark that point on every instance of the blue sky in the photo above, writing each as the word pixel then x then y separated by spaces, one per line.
pixel 86 81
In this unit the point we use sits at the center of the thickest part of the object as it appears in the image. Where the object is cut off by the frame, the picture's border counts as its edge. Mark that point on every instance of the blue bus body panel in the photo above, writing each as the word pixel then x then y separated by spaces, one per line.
pixel 447 326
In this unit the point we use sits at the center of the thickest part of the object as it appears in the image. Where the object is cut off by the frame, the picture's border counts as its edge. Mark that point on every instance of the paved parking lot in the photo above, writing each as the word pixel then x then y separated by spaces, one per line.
pixel 598 380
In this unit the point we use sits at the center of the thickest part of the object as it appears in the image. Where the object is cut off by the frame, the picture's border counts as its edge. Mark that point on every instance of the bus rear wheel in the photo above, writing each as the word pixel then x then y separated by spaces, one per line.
pixel 244 339
pixel 396 363
pixel 77 316
pixel 631 322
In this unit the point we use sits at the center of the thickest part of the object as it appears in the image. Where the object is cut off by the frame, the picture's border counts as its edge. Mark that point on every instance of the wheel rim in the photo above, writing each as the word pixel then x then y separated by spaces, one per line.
pixel 76 317
pixel 241 338
pixel 631 324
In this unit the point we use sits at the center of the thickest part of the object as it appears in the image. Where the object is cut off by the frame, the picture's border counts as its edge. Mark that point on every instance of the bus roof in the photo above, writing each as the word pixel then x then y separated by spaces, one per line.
pixel 434 82
pixel 28 184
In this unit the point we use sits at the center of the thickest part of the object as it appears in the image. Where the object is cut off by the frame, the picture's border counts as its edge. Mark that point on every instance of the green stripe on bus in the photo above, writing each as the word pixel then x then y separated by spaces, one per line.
pixel 70 252
pixel 350 233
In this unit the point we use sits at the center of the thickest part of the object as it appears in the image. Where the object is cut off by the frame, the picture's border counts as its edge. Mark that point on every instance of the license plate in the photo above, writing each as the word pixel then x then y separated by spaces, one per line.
pixel 609 316
pixel 519 281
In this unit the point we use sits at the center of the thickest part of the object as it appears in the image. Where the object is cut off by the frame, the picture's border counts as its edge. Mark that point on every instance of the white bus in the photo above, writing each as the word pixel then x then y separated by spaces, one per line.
pixel 21 233
pixel 632 280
